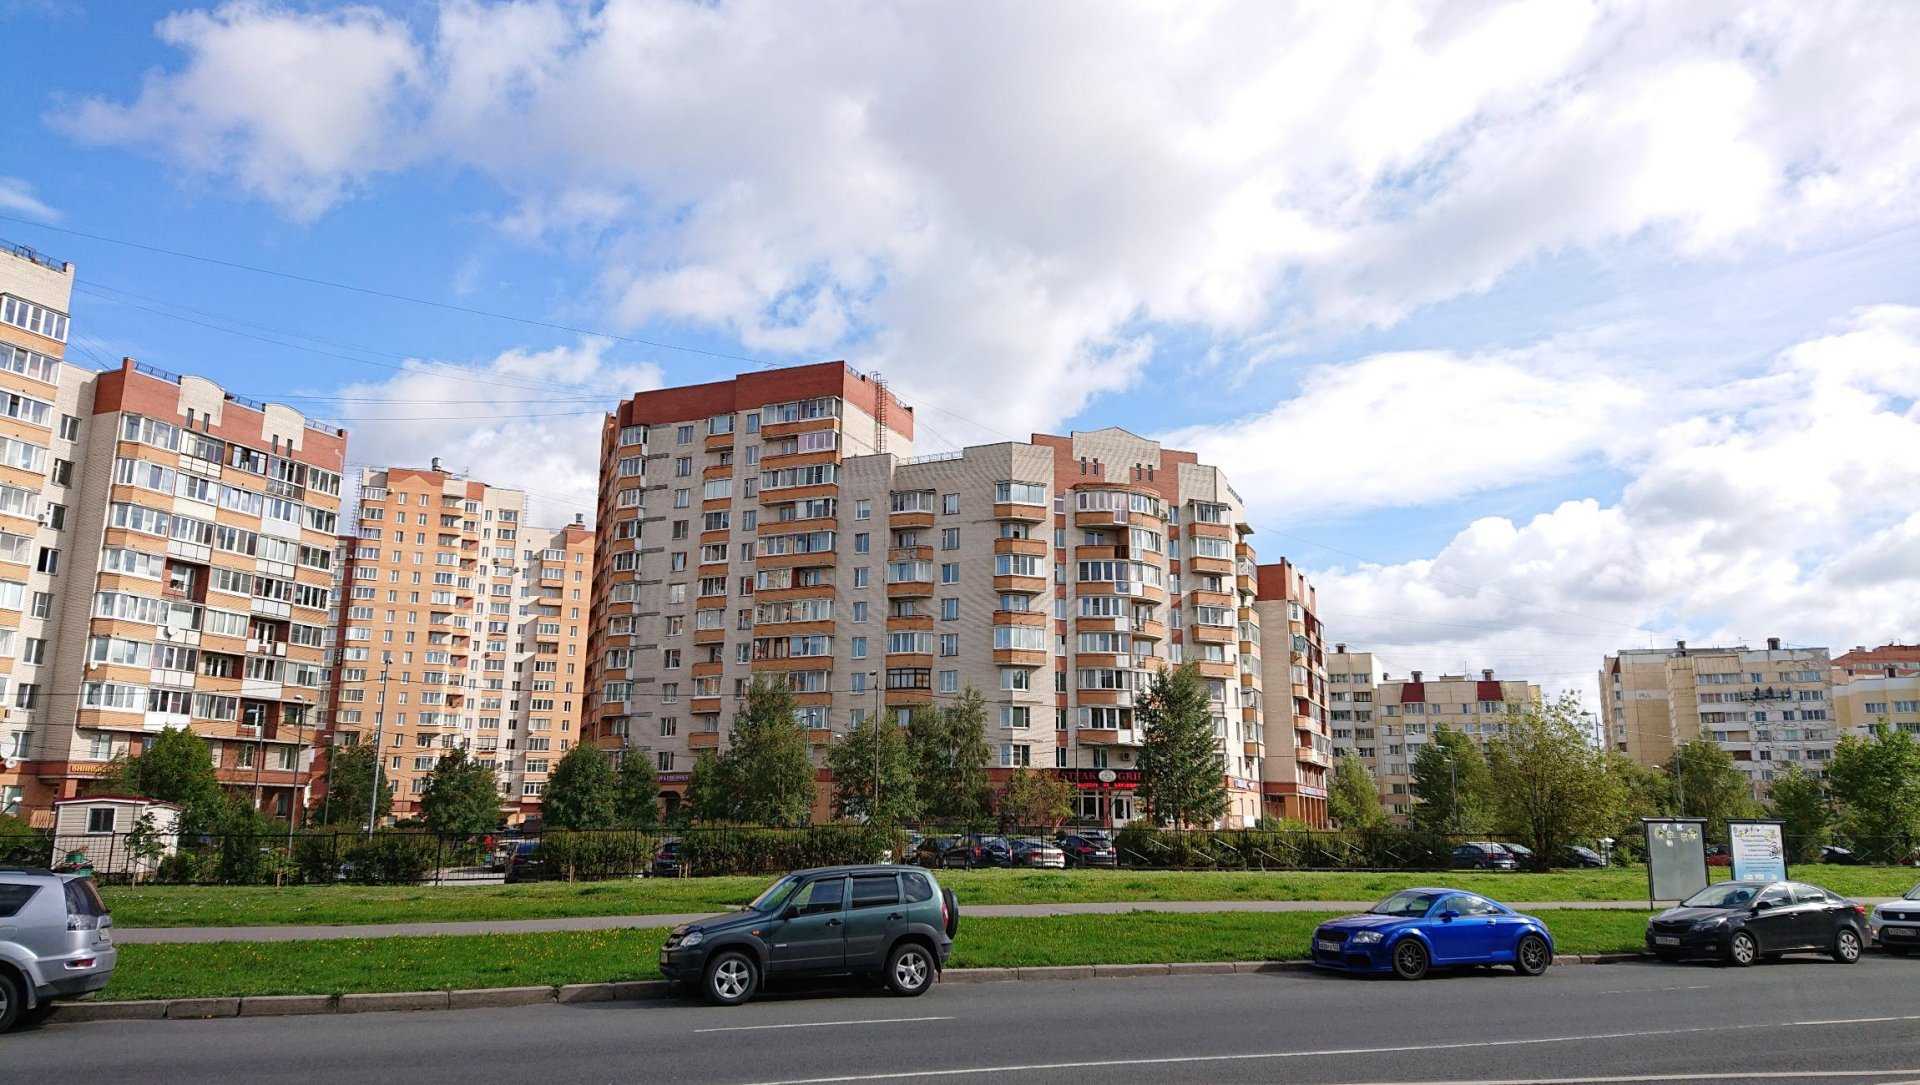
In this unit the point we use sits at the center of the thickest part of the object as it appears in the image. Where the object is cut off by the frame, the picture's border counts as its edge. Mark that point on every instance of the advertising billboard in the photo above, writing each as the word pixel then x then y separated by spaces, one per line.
pixel 1676 857
pixel 1758 850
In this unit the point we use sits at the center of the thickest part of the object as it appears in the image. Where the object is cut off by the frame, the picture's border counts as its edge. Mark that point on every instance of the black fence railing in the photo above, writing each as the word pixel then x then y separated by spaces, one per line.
pixel 424 857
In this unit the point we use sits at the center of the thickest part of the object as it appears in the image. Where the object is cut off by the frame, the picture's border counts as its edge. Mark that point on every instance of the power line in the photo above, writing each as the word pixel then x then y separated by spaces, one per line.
pixel 385 294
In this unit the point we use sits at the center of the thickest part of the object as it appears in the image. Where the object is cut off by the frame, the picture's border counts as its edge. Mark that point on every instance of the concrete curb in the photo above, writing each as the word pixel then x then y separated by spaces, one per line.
pixel 202 1009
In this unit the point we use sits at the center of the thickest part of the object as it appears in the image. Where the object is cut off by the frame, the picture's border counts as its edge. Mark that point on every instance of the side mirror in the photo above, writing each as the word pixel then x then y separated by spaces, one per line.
pixel 793 911
pixel 1449 916
pixel 1762 905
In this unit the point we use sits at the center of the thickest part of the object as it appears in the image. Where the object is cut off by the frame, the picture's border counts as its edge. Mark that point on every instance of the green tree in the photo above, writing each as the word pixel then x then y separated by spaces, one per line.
pixel 1707 784
pixel 874 752
pixel 950 758
pixel 1547 783
pixel 709 793
pixel 767 765
pixel 177 767
pixel 462 796
pixel 1034 799
pixel 349 784
pixel 1876 782
pixel 1353 799
pixel 1799 800
pixel 1646 791
pixel 636 799
pixel 1450 781
pixel 580 791
pixel 1182 771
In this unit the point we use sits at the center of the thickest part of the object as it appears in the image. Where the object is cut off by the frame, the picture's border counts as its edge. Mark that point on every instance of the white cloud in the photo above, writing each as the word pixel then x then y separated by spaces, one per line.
pixel 297 108
pixel 1416 428
pixel 526 420
pixel 987 197
pixel 17 195
pixel 1787 511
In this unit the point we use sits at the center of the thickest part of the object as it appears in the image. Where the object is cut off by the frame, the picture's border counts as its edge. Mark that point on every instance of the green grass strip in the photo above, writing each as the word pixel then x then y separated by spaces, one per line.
pixel 230 906
pixel 337 966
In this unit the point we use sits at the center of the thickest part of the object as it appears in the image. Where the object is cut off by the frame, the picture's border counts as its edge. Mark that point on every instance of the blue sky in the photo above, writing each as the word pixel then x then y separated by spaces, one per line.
pixel 1533 331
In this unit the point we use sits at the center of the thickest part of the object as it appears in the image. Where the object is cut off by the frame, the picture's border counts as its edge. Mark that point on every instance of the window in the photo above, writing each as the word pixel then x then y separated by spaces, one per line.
pixel 69 428
pixel 876 890
pixel 949 644
pixel 949 505
pixel 861 542
pixel 1020 493
pixel 950 572
pixel 950 609
pixel 1016 756
pixel 100 819
pixel 949 538
pixel 1015 715
pixel 949 681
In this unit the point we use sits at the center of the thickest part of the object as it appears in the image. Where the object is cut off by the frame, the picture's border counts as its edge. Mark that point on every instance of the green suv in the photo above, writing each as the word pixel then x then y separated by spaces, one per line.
pixel 887 921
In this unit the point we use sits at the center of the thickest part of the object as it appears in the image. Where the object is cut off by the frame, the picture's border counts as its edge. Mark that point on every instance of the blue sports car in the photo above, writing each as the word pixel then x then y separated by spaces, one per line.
pixel 1415 930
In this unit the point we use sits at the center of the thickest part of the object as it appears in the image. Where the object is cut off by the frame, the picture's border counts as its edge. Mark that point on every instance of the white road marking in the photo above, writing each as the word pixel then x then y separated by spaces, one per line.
pixel 1653 990
pixel 825 1024
pixel 1769 1075
pixel 1398 1049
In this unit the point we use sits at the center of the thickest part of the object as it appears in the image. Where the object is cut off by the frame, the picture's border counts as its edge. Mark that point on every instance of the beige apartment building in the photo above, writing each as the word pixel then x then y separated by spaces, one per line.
pixel 1384 721
pixel 461 626
pixel 778 525
pixel 1876 687
pixel 1767 707
pixel 1293 772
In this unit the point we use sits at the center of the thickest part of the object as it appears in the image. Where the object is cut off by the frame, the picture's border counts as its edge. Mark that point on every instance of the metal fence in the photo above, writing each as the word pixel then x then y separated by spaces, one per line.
pixel 424 857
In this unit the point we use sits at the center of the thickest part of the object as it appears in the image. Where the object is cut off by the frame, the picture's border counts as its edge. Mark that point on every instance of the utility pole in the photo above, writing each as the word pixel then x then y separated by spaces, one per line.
pixel 379 723
pixel 300 748
pixel 874 814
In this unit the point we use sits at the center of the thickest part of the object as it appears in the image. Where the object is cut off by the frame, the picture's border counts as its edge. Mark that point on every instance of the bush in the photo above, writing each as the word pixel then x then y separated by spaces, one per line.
pixel 317 854
pixel 1283 849
pixel 392 858
pixel 585 854
pixel 776 851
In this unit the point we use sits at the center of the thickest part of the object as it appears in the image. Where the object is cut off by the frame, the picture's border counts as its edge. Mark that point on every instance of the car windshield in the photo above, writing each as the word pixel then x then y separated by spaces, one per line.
pixel 1914 893
pixel 1405 904
pixel 775 898
pixel 1724 895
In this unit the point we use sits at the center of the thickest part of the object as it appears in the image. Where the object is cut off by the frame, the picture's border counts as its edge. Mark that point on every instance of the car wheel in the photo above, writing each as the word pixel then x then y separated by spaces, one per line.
pixel 1410 960
pixel 1532 956
pixel 909 970
pixel 1846 945
pixel 1742 949
pixel 732 978
pixel 13 1001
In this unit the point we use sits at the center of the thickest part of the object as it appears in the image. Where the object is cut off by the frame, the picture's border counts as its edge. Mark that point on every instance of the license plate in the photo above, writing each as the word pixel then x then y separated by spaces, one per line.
pixel 663 956
pixel 1898 932
pixel 1665 940
pixel 1330 947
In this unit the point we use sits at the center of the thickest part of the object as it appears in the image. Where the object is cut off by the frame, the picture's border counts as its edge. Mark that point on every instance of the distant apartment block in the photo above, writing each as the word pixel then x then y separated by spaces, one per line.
pixel 1299 749
pixel 462 626
pixel 1877 687
pixel 1768 707
pixel 778 525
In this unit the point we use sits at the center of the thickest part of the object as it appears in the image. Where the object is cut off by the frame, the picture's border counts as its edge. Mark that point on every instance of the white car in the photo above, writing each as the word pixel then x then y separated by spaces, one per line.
pixel 1896 924
pixel 56 941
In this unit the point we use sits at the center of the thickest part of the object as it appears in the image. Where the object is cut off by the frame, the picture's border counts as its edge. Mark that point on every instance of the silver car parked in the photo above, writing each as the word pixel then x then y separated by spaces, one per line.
pixel 56 941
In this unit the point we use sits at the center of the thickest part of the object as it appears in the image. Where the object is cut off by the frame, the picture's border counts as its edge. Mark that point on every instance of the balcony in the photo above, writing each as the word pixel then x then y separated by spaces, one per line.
pixel 703 740
pixel 1030 547
pixel 1031 514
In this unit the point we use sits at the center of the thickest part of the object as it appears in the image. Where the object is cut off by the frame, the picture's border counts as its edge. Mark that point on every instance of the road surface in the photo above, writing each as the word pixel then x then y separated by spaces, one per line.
pixel 1795 1020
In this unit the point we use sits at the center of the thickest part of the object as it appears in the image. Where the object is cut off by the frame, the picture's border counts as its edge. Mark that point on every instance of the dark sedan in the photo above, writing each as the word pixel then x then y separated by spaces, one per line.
pixel 1742 922
pixel 1088 851
pixel 668 860
pixel 524 863
pixel 1584 857
pixel 1483 856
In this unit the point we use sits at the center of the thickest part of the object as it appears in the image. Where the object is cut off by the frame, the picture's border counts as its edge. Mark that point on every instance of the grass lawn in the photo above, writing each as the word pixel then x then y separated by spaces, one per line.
pixel 228 906
pixel 513 960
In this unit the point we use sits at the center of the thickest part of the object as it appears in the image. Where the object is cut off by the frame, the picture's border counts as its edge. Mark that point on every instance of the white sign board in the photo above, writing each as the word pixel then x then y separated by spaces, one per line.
pixel 1758 850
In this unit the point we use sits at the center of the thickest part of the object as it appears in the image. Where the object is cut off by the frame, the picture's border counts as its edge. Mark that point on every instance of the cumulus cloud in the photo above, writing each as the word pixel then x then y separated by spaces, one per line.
pixel 1006 195
pixel 526 420
pixel 17 195
pixel 1787 511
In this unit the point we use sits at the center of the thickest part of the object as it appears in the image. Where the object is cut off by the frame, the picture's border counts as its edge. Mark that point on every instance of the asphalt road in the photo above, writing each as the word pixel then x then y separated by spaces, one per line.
pixel 1794 1020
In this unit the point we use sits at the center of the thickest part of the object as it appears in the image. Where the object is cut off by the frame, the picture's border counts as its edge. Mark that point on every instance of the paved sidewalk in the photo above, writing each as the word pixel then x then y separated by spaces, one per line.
pixel 148 935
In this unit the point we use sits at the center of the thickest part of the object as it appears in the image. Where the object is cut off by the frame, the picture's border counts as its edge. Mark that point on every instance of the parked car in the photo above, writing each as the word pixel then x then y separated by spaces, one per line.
pixel 1522 855
pixel 58 942
pixel 1741 922
pixel 668 859
pixel 1834 853
pixel 1896 924
pixel 1416 930
pixel 885 921
pixel 971 850
pixel 1031 851
pixel 1084 849
pixel 931 851
pixel 1717 855
pixel 524 863
pixel 1584 857
pixel 1483 856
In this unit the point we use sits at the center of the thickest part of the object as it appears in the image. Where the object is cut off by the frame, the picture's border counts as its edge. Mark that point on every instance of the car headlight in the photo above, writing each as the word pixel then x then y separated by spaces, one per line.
pixel 691 939
pixel 1707 924
pixel 1366 938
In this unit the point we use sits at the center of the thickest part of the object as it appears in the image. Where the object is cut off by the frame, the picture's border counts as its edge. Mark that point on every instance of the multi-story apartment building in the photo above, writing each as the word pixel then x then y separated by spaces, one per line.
pixel 1293 772
pixel 1862 661
pixel 1875 687
pixel 198 582
pixel 1767 707
pixel 37 452
pixel 1053 576
pixel 461 626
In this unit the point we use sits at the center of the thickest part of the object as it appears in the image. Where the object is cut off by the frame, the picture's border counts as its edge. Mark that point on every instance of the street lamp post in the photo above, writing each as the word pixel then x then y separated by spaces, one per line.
pixel 379 723
pixel 874 814
pixel 295 806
